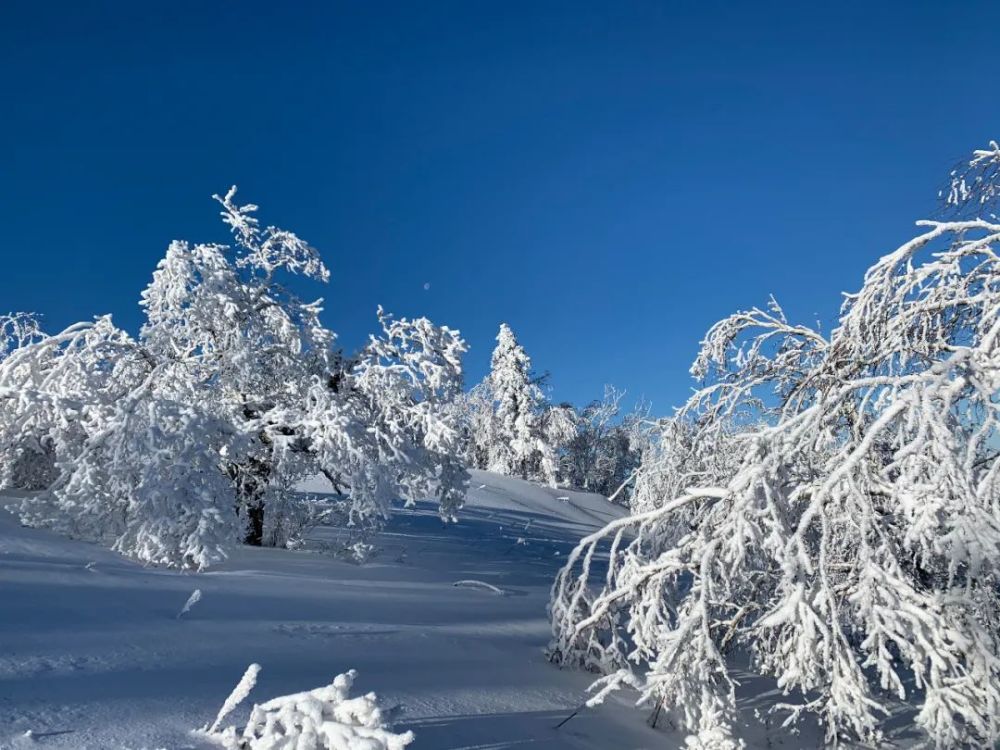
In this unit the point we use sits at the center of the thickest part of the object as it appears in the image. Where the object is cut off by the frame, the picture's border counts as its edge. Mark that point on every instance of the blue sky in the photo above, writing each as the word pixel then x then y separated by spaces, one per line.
pixel 608 178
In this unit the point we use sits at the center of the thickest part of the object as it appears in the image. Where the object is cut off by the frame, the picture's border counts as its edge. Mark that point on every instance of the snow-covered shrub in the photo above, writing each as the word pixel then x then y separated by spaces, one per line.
pixel 173 446
pixel 322 719
pixel 848 541
pixel 291 516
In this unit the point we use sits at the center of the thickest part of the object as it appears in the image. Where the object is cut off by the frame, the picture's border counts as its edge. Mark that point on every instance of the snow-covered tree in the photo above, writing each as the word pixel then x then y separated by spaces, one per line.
pixel 476 408
pixel 604 450
pixel 172 446
pixel 852 549
pixel 30 463
pixel 517 403
pixel 510 427
pixel 402 387
pixel 556 427
pixel 55 392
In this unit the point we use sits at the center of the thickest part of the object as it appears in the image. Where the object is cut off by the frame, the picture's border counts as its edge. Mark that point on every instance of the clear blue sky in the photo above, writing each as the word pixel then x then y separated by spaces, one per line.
pixel 608 177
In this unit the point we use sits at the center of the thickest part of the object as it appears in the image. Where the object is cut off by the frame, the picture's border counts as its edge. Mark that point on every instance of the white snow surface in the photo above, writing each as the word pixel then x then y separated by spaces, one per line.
pixel 92 654
pixel 94 657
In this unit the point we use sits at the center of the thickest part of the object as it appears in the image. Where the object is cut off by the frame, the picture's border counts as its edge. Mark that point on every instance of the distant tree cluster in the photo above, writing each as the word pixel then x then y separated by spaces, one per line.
pixel 513 429
pixel 174 445
pixel 606 449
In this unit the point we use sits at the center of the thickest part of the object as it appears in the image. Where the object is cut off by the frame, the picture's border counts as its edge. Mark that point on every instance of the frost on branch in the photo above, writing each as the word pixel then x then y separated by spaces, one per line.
pixel 239 694
pixel 265 251
pixel 321 719
pixel 975 186
pixel 17 330
pixel 827 505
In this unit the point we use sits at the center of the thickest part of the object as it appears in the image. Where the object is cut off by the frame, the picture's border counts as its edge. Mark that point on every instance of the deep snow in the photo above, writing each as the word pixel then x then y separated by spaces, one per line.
pixel 93 654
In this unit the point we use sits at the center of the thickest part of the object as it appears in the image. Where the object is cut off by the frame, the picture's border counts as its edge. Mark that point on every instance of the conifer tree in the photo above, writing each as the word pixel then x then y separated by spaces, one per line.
pixel 517 401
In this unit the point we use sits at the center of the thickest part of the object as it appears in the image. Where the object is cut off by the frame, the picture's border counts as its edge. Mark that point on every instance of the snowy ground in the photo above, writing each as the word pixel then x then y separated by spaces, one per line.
pixel 92 654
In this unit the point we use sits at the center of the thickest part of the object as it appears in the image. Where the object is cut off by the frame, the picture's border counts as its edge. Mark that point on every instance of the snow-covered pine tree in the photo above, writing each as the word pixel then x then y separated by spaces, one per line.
pixel 509 426
pixel 852 548
pixel 517 403
pixel 174 446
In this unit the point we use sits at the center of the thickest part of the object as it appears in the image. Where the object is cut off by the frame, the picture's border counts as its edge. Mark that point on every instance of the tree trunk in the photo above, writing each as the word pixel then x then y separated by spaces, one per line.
pixel 250 480
pixel 255 524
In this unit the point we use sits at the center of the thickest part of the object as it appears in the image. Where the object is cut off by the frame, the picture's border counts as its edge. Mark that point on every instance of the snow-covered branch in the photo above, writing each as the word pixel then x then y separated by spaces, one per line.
pixel 850 544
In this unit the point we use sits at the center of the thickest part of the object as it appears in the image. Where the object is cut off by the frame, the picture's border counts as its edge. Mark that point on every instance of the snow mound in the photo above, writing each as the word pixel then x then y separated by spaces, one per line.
pixel 500 493
pixel 500 496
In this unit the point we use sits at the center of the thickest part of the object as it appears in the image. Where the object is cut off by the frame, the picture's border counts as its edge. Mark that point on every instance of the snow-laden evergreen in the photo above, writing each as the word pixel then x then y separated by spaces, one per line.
pixel 511 427
pixel 517 402
pixel 173 446
pixel 829 509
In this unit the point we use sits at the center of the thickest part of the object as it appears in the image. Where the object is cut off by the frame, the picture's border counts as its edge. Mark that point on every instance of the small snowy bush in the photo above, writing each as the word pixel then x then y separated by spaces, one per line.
pixel 321 719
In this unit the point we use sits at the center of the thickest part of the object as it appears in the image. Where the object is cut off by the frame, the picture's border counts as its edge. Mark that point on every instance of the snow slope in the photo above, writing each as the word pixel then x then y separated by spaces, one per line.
pixel 92 654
